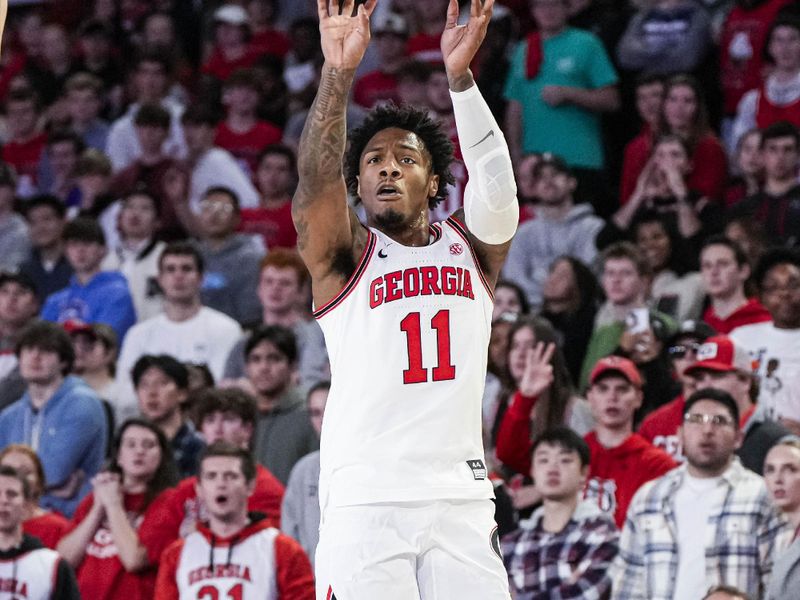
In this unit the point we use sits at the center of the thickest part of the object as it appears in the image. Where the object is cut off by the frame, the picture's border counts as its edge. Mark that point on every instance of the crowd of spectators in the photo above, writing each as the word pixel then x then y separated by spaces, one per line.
pixel 641 414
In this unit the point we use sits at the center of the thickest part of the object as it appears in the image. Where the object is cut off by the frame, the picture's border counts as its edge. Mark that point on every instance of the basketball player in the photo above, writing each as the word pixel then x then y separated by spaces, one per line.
pixel 405 307
pixel 236 554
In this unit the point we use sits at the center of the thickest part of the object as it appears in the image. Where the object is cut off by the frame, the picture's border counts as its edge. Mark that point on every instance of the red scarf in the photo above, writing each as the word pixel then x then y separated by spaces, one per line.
pixel 533 60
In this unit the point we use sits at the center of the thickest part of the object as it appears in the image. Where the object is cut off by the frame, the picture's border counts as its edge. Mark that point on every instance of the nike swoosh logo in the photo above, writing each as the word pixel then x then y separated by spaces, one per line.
pixel 484 138
pixel 382 254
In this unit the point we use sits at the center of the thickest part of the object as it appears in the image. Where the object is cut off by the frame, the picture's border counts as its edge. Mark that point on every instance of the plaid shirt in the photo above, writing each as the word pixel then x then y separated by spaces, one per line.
pixel 572 563
pixel 740 544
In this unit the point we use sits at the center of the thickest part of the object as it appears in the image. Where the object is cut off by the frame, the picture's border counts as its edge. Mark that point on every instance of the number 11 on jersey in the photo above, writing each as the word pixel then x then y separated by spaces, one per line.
pixel 411 325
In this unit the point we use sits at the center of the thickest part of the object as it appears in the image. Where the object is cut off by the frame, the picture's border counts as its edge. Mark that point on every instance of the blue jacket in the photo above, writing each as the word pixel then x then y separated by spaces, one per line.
pixel 105 299
pixel 72 430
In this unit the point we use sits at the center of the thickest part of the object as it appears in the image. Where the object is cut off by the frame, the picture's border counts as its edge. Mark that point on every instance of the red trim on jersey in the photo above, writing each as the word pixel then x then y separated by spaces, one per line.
pixel 366 256
pixel 330 593
pixel 461 230
pixel 436 231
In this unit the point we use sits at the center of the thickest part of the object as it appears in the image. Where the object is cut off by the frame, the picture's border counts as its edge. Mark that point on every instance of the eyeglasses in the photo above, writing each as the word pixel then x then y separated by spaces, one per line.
pixel 216 206
pixel 680 350
pixel 716 421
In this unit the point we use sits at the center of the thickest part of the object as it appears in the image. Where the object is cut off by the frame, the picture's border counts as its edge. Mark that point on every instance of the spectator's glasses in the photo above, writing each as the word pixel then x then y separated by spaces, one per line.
pixel 221 206
pixel 717 421
pixel 681 350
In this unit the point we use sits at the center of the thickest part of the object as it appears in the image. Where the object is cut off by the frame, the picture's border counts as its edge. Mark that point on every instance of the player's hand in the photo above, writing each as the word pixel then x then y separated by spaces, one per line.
pixel 3 15
pixel 459 43
pixel 538 374
pixel 344 38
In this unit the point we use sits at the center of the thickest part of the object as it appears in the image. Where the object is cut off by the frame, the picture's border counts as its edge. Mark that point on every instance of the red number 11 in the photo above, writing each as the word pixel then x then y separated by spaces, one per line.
pixel 444 370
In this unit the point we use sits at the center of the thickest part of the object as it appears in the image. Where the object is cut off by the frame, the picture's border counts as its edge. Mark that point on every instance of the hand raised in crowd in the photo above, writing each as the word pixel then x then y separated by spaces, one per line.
pixel 641 346
pixel 459 43
pixel 107 488
pixel 344 36
pixel 538 374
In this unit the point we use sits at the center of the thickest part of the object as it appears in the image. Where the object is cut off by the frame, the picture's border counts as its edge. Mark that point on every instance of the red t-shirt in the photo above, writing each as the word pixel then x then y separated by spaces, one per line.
pixel 181 511
pixel 616 473
pixel 749 313
pixel 426 47
pixel 660 427
pixel 220 67
pixel 274 225
pixel 101 575
pixel 25 156
pixel 49 528
pixel 246 146
pixel 768 113
pixel 271 41
pixel 374 88
pixel 513 444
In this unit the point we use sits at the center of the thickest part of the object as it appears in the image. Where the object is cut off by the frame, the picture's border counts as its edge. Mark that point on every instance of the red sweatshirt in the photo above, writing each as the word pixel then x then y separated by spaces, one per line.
pixel 660 427
pixel 748 314
pixel 514 444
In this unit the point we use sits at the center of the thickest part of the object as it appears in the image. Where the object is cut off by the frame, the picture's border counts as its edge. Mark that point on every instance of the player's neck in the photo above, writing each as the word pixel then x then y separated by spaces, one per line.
pixel 414 234
pixel 10 539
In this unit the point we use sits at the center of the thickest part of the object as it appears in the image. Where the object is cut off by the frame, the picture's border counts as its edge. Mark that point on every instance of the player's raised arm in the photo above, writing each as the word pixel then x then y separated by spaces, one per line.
pixel 491 210
pixel 325 225
pixel 3 15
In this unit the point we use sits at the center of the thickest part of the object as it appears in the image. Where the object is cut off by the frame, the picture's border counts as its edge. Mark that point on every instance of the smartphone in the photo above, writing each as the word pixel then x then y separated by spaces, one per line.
pixel 638 320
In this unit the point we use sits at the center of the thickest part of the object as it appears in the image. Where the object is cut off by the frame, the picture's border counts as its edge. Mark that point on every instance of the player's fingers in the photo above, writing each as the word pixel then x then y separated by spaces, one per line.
pixel 347 9
pixel 475 8
pixel 488 6
pixel 369 6
pixel 322 9
pixel 452 14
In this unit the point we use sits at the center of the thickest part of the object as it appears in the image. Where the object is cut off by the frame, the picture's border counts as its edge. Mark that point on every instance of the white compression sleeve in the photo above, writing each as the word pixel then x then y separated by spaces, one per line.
pixel 490 198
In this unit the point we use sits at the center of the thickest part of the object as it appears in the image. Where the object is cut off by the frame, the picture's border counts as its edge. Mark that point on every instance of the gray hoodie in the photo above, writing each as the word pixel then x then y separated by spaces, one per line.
pixel 300 508
pixel 14 242
pixel 540 241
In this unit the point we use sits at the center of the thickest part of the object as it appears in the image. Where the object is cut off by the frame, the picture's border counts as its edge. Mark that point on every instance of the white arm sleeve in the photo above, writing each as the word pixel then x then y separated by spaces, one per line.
pixel 491 209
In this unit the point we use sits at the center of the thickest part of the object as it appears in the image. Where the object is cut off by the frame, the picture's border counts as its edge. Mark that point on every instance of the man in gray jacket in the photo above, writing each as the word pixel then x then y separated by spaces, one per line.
pixel 559 228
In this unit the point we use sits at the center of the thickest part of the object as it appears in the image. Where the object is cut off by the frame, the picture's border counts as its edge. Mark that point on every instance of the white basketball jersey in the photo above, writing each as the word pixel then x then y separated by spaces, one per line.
pixel 407 339
pixel 245 570
pixel 31 575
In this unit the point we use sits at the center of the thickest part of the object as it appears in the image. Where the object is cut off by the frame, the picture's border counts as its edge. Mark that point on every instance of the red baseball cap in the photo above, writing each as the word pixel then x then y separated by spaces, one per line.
pixel 720 353
pixel 616 364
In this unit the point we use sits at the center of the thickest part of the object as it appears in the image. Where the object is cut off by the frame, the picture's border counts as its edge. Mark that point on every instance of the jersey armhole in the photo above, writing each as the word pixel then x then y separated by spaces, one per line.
pixel 366 255
pixel 461 230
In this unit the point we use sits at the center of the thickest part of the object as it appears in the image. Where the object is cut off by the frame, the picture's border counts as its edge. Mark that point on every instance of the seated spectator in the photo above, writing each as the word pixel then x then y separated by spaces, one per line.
pixel 773 346
pixel 186 330
pixel 14 239
pixel 212 166
pixel 263 32
pixel 751 237
pixel 92 195
pixel 725 271
pixel 93 296
pixel 84 101
pixel 777 205
pixel 777 98
pixel 31 570
pixel 25 143
pixel 282 291
pixel 57 167
pixel 242 133
pixel 46 266
pixel 232 260
pixel 509 298
pixel 725 592
pixel 747 168
pixel 162 384
pixel 49 527
pixel 103 543
pixel 54 66
pixel 232 48
pixel 570 298
pixel 226 416
pixel 300 511
pixel 662 426
pixel 431 17
pixel 411 79
pixel 782 476
pixel 663 553
pixel 277 565
pixel 684 114
pixel 273 91
pixel 98 57
pixel 560 228
pixel 275 177
pixel 380 86
pixel 136 255
pixel 567 545
pixel 283 433
pixel 70 436
pixel 666 37
pixel 19 305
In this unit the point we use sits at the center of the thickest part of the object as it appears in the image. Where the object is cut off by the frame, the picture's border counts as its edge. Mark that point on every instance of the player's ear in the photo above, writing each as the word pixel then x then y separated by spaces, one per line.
pixel 433 186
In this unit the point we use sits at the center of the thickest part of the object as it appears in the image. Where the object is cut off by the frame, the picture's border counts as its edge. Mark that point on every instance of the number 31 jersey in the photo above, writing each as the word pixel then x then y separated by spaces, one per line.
pixel 407 339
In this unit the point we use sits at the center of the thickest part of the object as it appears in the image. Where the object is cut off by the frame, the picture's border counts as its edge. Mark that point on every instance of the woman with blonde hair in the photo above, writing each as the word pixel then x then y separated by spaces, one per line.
pixel 782 476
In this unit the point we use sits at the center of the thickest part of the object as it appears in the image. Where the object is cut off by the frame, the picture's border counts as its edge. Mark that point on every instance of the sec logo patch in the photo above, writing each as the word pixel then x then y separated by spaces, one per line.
pixel 456 249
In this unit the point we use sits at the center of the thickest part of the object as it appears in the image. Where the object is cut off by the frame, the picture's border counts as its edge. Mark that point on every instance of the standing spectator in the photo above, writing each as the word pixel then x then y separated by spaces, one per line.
pixel 25 144
pixel 232 260
pixel 777 205
pixel 232 49
pixel 60 417
pixel 275 177
pixel 560 80
pixel 30 569
pixel 773 346
pixel 705 523
pixel 14 239
pixel 93 296
pixel 725 271
pixel 565 548
pixel 560 228
pixel 151 79
pixel 19 305
pixel 84 100
pixel 46 266
pixel 103 543
pixel 162 385
pixel 242 133
pixel 186 330
pixel 212 166
pixel 276 564
pixel 380 86
pixel 300 512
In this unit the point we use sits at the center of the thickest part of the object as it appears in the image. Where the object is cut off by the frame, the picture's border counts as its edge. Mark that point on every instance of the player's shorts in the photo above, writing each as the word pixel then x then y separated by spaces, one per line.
pixel 443 550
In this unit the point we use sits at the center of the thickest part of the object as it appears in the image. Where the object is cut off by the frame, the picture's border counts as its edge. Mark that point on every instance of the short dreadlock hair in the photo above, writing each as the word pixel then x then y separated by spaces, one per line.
pixel 411 119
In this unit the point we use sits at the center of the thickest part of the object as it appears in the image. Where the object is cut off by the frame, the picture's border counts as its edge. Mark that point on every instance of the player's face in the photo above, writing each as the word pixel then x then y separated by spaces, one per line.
pixel 222 487
pixel 159 397
pixel 613 400
pixel 782 476
pixel 24 465
pixel 12 504
pixel 226 427
pixel 708 447
pixel 557 472
pixel 722 275
pixel 268 369
pixel 395 179
pixel 179 278
pixel 139 453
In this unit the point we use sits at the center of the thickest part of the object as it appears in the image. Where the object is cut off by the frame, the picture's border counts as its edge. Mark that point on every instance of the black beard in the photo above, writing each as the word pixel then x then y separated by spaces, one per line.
pixel 390 221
